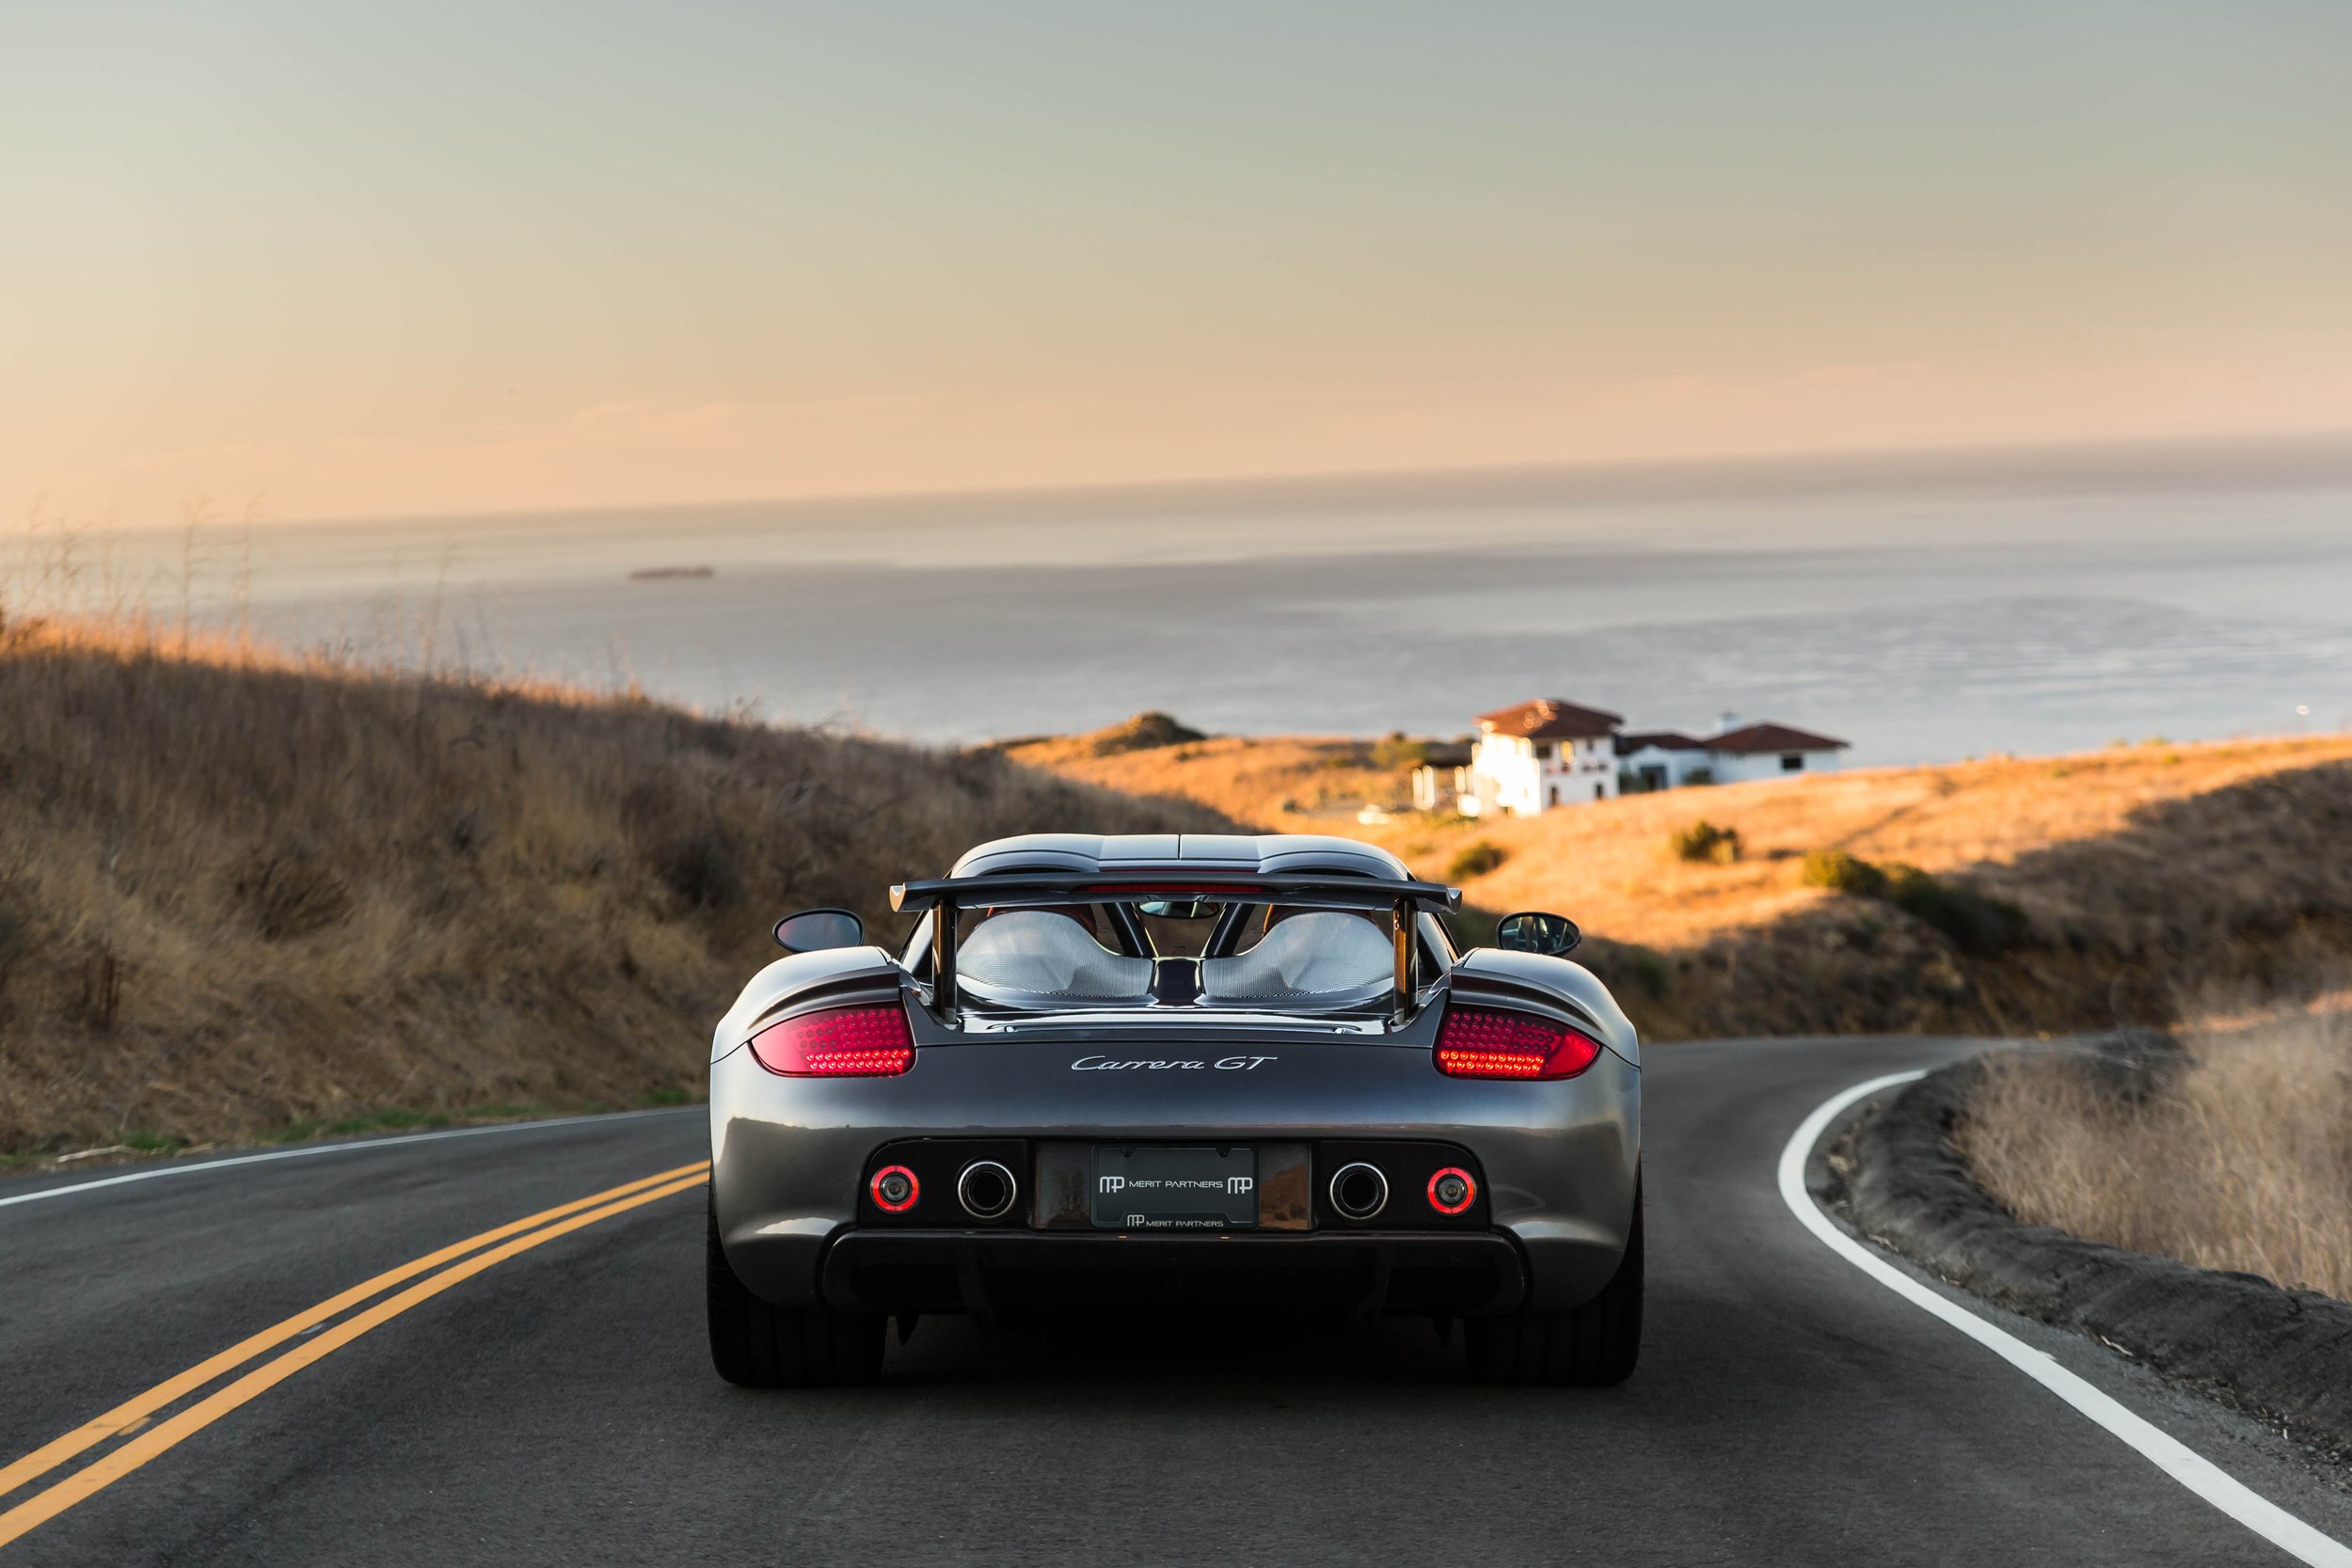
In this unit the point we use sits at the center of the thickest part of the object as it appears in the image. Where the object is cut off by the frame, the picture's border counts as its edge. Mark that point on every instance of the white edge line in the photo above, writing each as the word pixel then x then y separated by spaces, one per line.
pixel 2167 1454
pixel 348 1146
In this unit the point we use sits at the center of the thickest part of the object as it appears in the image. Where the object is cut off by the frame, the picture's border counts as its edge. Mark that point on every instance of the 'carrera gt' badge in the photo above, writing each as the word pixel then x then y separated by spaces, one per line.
pixel 1223 1064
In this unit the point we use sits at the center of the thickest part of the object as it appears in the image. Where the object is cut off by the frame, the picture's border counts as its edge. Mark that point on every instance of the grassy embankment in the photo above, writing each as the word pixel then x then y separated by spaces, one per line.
pixel 245 894
pixel 2135 884
pixel 2242 1160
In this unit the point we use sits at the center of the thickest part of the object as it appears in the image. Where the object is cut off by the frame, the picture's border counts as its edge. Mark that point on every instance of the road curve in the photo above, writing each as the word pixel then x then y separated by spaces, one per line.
pixel 556 1404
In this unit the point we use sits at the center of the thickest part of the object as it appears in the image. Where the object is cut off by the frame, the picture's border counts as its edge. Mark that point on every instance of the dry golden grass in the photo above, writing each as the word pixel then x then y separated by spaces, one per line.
pixel 2131 885
pixel 2242 1160
pixel 240 889
pixel 1612 866
pixel 1246 779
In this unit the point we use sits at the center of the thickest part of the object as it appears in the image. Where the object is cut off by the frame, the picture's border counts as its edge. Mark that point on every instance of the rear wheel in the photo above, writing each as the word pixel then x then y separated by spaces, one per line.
pixel 1591 1346
pixel 760 1345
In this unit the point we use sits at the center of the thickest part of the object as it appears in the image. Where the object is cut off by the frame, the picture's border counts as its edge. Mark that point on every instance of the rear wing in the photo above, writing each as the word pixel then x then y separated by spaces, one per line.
pixel 944 895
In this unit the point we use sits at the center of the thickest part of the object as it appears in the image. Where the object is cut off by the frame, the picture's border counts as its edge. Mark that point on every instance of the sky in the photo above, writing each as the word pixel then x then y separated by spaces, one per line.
pixel 319 259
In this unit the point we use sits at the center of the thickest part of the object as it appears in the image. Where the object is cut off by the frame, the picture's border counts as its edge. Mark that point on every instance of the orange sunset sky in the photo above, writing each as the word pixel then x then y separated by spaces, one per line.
pixel 473 256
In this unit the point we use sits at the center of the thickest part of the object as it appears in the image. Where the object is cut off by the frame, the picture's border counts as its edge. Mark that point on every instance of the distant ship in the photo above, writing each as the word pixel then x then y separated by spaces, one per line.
pixel 656 573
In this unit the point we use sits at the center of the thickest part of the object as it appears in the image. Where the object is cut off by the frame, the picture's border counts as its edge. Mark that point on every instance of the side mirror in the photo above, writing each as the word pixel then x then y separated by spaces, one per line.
pixel 814 931
pixel 1534 931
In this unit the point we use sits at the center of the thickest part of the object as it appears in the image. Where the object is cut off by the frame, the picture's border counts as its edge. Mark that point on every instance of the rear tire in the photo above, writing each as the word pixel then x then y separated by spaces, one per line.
pixel 1592 1346
pixel 759 1345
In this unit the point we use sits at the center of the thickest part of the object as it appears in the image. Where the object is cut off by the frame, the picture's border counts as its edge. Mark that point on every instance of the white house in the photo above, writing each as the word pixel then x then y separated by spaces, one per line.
pixel 1770 752
pixel 1540 754
pixel 1660 759
pixel 1442 780
pixel 1547 753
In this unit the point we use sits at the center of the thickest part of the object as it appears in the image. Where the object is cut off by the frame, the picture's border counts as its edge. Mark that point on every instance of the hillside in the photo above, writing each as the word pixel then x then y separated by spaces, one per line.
pixel 2143 879
pixel 245 894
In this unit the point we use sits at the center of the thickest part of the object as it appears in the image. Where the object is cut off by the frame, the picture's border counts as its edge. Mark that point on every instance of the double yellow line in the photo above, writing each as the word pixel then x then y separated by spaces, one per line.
pixel 131 1416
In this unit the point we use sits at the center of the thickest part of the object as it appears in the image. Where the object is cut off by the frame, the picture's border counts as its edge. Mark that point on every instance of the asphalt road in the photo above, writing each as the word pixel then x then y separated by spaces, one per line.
pixel 559 1406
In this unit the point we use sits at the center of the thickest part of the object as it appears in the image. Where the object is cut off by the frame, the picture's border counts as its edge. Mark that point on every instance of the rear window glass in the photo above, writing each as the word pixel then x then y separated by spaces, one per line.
pixel 1174 952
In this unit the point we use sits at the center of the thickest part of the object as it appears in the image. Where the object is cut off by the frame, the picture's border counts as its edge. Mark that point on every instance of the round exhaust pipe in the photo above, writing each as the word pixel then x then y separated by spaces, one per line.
pixel 986 1190
pixel 1359 1191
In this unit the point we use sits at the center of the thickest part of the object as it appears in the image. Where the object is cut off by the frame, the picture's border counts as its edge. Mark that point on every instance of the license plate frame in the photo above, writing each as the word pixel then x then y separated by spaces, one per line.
pixel 1174 1187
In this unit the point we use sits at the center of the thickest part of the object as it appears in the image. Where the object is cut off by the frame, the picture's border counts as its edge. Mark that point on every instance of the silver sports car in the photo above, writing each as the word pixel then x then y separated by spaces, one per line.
pixel 1206 1072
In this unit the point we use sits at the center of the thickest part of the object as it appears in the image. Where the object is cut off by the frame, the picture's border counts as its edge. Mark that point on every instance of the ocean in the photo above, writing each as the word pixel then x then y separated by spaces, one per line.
pixel 1923 608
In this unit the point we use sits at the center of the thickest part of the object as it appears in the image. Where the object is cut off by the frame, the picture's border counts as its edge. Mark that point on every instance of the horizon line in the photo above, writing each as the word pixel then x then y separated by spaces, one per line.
pixel 2325 453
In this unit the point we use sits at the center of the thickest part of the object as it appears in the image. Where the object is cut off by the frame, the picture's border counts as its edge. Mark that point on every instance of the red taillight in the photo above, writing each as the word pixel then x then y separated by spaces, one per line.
pixel 1473 1043
pixel 843 1042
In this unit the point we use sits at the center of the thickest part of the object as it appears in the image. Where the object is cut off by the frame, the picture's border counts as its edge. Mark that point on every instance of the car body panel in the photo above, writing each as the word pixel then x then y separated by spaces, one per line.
pixel 1569 982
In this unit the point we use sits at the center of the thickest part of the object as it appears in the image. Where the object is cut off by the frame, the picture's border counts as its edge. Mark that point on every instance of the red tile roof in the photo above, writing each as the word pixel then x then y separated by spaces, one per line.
pixel 1665 740
pixel 1772 738
pixel 1550 719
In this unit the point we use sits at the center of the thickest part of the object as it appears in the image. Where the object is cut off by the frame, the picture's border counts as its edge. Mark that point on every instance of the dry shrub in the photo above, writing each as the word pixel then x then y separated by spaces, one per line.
pixel 291 890
pixel 1979 927
pixel 1474 860
pixel 1842 871
pixel 1974 925
pixel 1399 752
pixel 240 889
pixel 1705 844
pixel 2242 1160
pixel 1147 731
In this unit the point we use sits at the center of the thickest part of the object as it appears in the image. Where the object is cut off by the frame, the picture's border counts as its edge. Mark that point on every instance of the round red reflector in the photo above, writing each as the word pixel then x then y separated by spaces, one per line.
pixel 1451 1190
pixel 894 1189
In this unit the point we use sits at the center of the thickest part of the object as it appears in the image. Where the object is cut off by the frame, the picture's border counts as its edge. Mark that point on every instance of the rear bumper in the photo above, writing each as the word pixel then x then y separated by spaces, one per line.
pixel 1559 1161
pixel 1021 1273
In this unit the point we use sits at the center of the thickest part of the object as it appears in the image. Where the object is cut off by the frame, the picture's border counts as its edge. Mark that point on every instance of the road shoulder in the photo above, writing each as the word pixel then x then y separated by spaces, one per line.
pixel 2282 1356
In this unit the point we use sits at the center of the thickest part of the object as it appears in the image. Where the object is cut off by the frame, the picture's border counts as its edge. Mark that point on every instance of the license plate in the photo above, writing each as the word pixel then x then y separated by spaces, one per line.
pixel 1175 1187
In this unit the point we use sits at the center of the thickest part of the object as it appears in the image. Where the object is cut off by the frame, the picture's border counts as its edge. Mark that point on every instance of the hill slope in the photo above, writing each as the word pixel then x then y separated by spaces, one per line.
pixel 2145 880
pixel 239 890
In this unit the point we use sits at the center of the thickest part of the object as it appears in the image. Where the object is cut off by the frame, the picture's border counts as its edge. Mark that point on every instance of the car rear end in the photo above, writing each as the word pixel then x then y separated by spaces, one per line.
pixel 1334 1148
pixel 1464 1146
